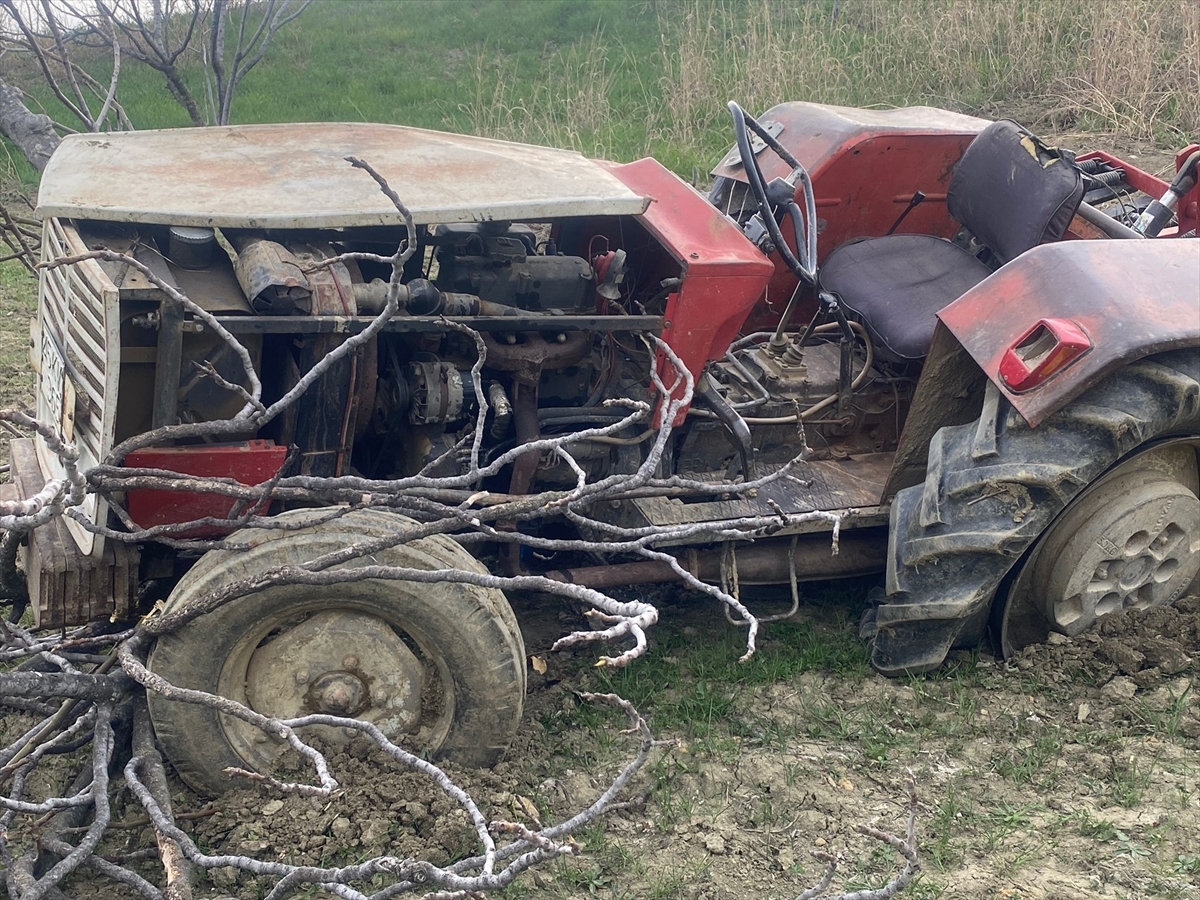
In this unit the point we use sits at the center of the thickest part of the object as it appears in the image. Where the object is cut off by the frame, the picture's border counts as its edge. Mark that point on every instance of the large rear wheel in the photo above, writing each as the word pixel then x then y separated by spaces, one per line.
pixel 995 488
pixel 1130 541
pixel 439 668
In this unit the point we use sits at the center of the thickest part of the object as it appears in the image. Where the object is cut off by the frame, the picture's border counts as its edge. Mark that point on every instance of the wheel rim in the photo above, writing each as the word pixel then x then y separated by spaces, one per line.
pixel 1129 545
pixel 1130 541
pixel 339 658
pixel 1131 550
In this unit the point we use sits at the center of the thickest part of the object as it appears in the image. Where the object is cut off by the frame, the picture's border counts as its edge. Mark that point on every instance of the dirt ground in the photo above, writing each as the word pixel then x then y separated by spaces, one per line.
pixel 1071 772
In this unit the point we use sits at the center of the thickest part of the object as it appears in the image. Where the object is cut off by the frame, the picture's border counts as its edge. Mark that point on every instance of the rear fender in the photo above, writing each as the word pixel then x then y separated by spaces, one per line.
pixel 950 392
pixel 1117 301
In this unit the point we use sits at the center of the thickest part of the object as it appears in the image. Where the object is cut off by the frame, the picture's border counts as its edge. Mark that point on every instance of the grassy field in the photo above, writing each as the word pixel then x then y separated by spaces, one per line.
pixel 628 78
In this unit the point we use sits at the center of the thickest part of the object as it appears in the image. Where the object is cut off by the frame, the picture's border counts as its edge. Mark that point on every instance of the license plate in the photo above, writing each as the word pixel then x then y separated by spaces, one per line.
pixel 50 391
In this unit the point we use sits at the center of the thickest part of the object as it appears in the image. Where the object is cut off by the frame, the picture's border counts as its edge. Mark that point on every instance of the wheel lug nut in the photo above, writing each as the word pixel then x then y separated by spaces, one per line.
pixel 350 662
pixel 301 677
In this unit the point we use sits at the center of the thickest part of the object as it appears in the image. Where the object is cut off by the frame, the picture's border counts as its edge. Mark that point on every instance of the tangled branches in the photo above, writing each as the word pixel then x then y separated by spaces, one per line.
pixel 92 687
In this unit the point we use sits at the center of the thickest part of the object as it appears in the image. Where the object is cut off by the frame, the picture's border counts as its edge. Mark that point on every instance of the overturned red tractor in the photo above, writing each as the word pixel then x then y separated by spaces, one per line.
pixel 906 342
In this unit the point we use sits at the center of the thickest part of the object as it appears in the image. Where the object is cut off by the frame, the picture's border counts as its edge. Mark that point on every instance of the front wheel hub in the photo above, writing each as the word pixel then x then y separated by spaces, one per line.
pixel 339 694
pixel 339 662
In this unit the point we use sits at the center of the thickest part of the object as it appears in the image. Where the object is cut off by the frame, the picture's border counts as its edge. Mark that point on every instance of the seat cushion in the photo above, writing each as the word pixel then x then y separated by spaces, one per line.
pixel 897 284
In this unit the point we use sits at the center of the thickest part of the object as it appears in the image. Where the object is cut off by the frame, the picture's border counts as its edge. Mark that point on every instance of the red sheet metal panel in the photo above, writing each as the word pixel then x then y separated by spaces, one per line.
pixel 724 275
pixel 1131 299
pixel 250 462
pixel 865 166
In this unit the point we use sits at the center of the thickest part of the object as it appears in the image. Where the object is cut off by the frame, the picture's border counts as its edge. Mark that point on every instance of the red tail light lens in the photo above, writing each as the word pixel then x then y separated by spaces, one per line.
pixel 1044 350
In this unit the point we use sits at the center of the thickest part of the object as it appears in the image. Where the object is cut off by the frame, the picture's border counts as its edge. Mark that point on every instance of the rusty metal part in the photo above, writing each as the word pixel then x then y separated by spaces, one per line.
pixel 367 387
pixel 525 415
pixel 434 324
pixel 271 277
pixel 860 552
pixel 530 353
pixel 371 297
pixel 325 415
pixel 342 662
pixel 67 587
pixel 735 426
pixel 168 363
pixel 533 351
pixel 421 297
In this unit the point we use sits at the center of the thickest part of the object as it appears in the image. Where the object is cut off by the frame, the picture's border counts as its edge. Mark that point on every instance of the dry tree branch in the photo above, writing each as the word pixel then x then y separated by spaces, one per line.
pixel 905 846
pixel 530 846
pixel 90 691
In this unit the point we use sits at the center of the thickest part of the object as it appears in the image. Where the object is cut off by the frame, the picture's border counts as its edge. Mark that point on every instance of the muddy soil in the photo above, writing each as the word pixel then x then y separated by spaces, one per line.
pixel 1073 771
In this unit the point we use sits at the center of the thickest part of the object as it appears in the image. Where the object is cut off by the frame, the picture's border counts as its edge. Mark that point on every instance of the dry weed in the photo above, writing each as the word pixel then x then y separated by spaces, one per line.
pixel 1125 64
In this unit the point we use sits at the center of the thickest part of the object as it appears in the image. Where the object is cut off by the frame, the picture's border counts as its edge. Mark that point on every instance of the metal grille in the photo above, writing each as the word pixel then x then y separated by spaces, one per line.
pixel 78 343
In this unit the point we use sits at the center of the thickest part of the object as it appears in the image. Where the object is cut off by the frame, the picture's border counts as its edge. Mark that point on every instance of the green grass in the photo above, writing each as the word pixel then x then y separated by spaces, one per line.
pixel 18 303
pixel 694 687
pixel 628 78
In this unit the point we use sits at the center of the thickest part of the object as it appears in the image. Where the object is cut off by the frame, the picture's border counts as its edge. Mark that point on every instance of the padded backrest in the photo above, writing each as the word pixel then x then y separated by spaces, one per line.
pixel 1012 191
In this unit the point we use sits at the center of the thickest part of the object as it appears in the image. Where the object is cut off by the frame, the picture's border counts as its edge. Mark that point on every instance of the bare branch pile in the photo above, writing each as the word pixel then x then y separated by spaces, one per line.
pixel 89 686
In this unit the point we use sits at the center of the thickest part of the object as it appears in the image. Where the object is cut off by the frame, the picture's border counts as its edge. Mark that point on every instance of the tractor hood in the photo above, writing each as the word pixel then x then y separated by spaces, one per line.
pixel 296 176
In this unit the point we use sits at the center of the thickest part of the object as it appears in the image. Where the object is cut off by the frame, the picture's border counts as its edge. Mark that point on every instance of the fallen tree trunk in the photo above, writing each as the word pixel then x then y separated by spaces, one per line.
pixel 33 133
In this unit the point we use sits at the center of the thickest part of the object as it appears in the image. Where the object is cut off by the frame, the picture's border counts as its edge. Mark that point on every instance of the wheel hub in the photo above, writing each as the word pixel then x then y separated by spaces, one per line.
pixel 339 693
pixel 1131 547
pixel 342 663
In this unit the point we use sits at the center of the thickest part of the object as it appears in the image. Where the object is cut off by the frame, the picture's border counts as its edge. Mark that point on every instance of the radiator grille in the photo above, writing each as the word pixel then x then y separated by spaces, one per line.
pixel 79 356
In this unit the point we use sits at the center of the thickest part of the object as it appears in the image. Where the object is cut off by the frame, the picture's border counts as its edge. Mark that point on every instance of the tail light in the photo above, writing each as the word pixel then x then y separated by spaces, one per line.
pixel 1045 349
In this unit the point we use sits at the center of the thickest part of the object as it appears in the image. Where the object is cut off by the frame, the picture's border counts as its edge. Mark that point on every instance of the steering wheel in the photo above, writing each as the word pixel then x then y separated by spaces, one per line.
pixel 780 192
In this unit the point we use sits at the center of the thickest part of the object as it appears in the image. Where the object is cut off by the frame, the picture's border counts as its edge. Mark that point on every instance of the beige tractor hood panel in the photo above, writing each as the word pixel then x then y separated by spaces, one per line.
pixel 296 176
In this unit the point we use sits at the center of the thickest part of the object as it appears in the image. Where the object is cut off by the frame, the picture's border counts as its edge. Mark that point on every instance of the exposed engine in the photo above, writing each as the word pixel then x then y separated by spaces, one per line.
pixel 414 397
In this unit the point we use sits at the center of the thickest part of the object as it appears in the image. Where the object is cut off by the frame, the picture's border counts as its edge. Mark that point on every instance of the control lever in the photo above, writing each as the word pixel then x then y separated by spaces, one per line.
pixel 917 199
pixel 831 304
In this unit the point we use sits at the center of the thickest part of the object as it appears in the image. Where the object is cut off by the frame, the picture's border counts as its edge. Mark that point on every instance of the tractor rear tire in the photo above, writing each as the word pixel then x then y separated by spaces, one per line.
pixel 993 487
pixel 439 668
pixel 1130 541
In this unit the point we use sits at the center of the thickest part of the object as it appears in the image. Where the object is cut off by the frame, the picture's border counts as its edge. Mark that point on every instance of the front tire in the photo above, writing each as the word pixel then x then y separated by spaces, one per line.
pixel 439 668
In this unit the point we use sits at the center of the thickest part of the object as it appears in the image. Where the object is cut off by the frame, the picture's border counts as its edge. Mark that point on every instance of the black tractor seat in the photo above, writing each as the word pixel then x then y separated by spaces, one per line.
pixel 1009 190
